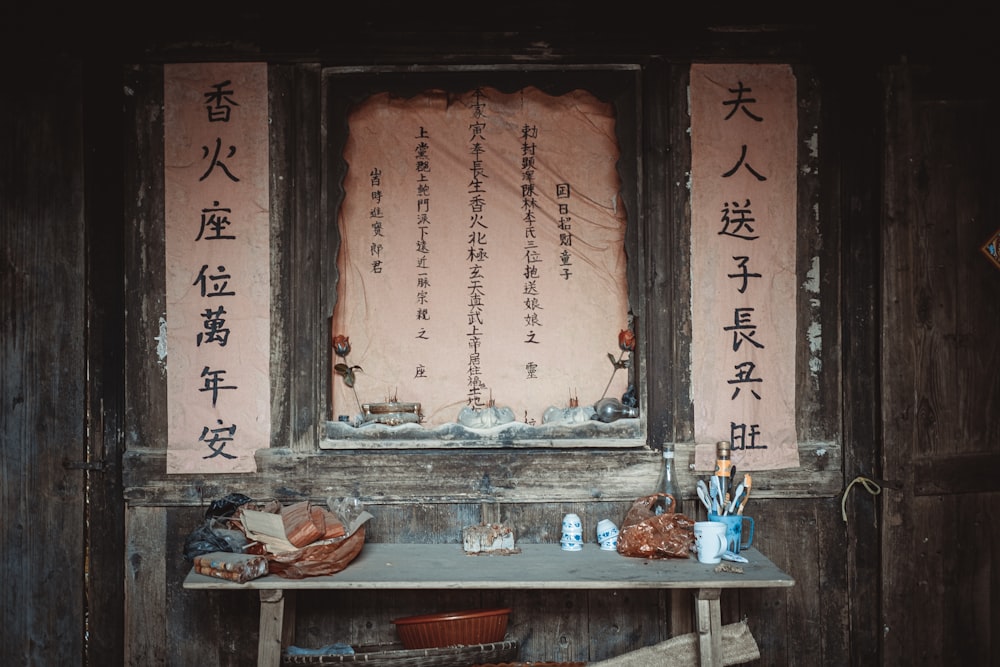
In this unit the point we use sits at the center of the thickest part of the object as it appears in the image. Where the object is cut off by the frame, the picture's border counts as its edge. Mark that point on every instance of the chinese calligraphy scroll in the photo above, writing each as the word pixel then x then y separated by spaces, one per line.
pixel 217 259
pixel 743 252
pixel 482 252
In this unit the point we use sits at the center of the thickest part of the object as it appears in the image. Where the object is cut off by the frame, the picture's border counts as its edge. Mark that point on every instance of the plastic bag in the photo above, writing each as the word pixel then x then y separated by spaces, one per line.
pixel 322 558
pixel 645 534
pixel 226 506
pixel 213 536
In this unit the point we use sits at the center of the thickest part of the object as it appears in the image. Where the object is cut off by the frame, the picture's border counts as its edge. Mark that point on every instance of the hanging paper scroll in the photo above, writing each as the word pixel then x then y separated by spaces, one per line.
pixel 482 253
pixel 743 250
pixel 218 266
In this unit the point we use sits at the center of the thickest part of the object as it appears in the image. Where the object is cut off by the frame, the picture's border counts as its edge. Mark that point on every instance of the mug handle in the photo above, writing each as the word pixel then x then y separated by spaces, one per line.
pixel 723 543
pixel 749 539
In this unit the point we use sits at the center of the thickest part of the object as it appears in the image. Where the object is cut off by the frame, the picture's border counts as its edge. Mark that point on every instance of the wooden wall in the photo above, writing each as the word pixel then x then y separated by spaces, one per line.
pixel 940 386
pixel 43 361
pixel 899 186
pixel 428 495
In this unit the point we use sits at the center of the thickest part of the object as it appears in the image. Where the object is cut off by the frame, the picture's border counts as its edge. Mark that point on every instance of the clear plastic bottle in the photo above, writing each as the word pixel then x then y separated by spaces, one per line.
pixel 666 485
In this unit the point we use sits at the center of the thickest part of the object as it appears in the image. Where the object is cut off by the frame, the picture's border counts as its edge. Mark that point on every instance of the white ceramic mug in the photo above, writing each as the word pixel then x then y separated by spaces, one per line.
pixel 710 541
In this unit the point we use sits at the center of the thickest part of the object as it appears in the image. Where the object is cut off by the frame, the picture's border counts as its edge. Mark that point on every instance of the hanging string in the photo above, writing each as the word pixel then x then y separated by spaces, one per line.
pixel 870 486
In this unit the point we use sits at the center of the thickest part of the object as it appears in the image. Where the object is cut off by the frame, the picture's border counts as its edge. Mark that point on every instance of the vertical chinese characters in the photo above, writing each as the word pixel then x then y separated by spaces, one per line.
pixel 477 256
pixel 422 169
pixel 377 221
pixel 743 260
pixel 215 286
pixel 217 266
pixel 476 303
pixel 738 224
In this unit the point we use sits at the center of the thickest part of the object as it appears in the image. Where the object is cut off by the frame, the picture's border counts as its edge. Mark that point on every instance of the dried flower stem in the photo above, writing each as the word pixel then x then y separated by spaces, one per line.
pixel 355 390
pixel 611 379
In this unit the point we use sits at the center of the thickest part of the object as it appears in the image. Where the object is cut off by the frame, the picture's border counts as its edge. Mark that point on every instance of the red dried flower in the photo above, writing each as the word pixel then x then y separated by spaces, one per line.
pixel 626 340
pixel 341 345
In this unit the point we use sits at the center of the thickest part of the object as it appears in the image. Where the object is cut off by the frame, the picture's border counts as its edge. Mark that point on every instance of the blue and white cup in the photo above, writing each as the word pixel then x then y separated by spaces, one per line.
pixel 739 530
pixel 572 533
pixel 607 535
pixel 572 524
pixel 571 542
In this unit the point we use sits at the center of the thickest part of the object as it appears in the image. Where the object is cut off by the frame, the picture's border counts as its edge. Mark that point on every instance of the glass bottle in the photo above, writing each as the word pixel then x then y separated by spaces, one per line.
pixel 666 484
pixel 723 467
pixel 611 409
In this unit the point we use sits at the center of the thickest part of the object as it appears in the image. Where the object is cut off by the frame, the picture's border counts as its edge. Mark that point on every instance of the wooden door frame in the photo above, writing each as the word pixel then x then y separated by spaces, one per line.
pixel 104 516
pixel 857 93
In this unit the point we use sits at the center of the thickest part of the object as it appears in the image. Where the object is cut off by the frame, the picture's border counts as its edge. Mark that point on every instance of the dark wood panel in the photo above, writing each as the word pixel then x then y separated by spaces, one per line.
pixel 661 273
pixel 669 229
pixel 808 620
pixel 43 364
pixel 938 353
pixel 851 170
pixel 145 271
pixel 103 122
pixel 955 288
pixel 146 587
pixel 819 409
pixel 967 473
pixel 301 258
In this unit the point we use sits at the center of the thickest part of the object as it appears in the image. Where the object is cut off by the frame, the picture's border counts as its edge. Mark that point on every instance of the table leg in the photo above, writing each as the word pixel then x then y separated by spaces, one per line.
pixel 708 615
pixel 272 618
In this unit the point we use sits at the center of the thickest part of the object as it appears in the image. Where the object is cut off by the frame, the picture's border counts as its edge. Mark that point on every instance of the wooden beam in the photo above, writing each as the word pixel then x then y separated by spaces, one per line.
pixel 450 476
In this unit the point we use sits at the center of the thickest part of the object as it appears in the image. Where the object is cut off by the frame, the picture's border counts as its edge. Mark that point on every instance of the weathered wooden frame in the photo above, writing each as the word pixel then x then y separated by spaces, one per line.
pixel 297 466
pixel 618 84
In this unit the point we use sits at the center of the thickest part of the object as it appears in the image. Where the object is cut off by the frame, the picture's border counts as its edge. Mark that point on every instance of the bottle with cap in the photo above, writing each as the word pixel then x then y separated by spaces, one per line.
pixel 723 466
pixel 666 484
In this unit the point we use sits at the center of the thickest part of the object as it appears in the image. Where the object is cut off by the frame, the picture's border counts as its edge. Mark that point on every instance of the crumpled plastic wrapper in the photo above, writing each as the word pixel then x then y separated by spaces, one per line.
pixel 645 534
pixel 322 558
pixel 329 556
pixel 213 535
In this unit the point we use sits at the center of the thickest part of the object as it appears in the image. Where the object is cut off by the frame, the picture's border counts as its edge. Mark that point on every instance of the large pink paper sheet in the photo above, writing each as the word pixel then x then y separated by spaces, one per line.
pixel 482 253
pixel 217 329
pixel 743 251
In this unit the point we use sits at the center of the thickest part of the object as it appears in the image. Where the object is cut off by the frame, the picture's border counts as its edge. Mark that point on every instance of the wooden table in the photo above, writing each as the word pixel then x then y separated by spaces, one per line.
pixel 538 566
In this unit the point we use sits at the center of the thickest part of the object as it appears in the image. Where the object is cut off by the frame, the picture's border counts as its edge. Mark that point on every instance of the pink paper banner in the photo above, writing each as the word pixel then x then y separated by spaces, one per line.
pixel 218 266
pixel 743 236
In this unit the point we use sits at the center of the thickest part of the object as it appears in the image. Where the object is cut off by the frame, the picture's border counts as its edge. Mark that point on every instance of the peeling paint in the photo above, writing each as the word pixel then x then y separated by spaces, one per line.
pixel 821 451
pixel 813 144
pixel 814 334
pixel 161 340
pixel 815 337
pixel 812 277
